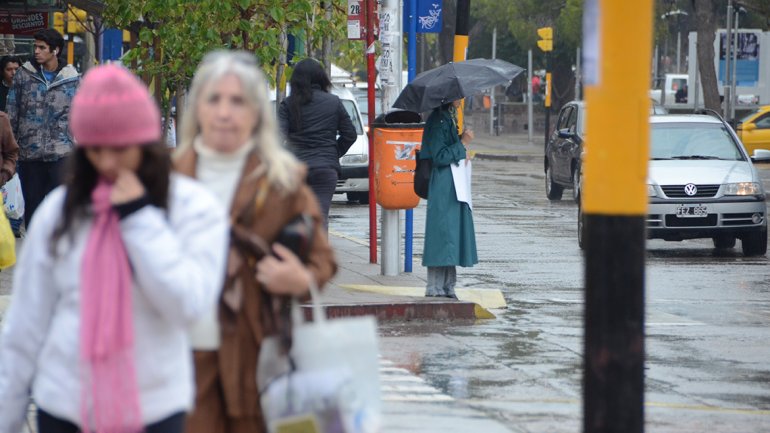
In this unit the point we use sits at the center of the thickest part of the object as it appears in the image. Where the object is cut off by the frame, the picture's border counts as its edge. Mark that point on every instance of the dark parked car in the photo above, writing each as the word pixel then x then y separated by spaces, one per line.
pixel 562 154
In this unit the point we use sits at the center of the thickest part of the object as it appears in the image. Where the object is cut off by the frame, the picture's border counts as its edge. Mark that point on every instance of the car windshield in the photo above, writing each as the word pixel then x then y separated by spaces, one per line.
pixel 751 114
pixel 350 107
pixel 692 141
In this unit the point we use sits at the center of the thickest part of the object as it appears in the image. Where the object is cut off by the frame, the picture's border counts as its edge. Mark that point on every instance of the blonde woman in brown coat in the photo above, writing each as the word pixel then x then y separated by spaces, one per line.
pixel 229 141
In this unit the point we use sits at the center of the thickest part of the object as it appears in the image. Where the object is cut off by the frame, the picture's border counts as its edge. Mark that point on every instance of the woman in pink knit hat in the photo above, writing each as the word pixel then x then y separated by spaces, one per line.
pixel 121 259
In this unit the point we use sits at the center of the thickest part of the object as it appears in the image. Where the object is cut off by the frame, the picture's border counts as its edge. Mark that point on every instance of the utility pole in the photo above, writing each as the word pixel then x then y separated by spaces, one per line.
pixel 370 75
pixel 390 82
pixel 461 45
pixel 733 71
pixel 578 75
pixel 492 92
pixel 728 62
pixel 530 117
pixel 614 206
pixel 546 44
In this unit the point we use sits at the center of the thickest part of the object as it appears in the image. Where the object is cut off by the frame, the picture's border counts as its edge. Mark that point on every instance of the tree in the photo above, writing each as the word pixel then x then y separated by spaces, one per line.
pixel 170 37
pixel 522 18
pixel 706 26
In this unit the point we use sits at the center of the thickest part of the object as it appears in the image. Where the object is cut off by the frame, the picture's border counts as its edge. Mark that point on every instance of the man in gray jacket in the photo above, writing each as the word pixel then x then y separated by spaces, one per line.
pixel 38 106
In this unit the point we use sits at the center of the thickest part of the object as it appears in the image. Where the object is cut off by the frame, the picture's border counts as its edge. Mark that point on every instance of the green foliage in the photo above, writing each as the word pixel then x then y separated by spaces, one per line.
pixel 174 35
pixel 522 18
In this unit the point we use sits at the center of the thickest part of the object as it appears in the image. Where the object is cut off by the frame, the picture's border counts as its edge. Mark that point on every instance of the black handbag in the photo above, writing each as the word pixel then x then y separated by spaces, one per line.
pixel 422 171
pixel 296 235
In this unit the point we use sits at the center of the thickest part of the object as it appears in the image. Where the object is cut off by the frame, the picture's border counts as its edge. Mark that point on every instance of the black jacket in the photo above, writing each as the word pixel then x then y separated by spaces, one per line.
pixel 316 143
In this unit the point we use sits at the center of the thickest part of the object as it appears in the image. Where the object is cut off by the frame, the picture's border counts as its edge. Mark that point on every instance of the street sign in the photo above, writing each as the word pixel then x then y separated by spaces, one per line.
pixel 429 15
pixel 356 19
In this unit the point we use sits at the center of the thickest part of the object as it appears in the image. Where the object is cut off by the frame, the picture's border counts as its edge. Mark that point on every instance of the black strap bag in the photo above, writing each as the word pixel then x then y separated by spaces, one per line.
pixel 422 175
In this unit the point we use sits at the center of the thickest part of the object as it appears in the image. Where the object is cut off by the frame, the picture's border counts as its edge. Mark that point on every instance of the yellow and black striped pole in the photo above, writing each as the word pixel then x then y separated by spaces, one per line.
pixel 461 44
pixel 617 52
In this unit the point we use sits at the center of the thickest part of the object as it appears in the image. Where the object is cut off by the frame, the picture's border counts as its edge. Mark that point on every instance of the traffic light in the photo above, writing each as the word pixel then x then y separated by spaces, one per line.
pixel 58 22
pixel 76 20
pixel 546 38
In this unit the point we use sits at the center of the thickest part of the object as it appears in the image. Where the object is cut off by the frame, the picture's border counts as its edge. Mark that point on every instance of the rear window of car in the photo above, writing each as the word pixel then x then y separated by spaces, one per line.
pixel 692 141
pixel 350 107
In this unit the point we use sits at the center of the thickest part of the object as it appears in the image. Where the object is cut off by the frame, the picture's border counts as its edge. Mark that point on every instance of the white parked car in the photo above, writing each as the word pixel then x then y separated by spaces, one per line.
pixel 702 184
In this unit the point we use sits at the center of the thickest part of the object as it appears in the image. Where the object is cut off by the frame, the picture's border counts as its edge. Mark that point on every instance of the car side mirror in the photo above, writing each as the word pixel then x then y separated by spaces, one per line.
pixel 747 127
pixel 565 133
pixel 761 155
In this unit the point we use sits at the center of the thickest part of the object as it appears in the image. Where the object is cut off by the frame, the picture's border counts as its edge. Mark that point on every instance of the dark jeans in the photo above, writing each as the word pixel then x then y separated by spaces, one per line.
pixel 323 182
pixel 47 423
pixel 38 178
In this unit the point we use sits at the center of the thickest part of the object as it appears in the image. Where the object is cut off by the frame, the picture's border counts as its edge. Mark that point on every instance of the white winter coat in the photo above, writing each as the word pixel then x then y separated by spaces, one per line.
pixel 178 260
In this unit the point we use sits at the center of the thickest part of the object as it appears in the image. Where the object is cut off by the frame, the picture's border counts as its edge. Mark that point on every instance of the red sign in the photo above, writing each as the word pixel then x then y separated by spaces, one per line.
pixel 23 23
pixel 356 19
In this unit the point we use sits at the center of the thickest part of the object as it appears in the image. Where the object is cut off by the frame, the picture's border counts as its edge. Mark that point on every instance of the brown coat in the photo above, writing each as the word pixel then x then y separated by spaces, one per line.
pixel 9 150
pixel 245 312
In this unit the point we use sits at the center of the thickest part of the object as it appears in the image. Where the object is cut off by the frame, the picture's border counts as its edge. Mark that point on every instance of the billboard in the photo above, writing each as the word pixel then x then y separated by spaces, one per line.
pixel 23 23
pixel 747 64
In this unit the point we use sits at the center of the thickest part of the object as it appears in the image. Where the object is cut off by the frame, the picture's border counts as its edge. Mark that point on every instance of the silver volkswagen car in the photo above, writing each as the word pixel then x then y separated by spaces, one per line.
pixel 702 184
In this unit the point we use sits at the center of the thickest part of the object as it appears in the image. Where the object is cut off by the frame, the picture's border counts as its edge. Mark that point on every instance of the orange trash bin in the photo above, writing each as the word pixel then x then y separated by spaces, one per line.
pixel 397 135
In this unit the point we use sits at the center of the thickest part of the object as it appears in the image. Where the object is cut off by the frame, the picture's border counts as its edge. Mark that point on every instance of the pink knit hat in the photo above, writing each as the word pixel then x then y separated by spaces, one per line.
pixel 113 108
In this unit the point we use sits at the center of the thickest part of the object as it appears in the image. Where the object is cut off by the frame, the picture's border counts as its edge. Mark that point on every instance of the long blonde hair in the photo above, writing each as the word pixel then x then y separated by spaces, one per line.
pixel 280 165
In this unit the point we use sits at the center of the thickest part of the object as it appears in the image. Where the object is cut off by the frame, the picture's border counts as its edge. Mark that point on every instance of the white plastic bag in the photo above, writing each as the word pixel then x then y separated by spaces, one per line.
pixel 333 386
pixel 13 200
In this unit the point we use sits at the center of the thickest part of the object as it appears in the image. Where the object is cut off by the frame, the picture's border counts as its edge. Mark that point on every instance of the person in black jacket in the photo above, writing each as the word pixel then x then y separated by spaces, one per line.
pixel 317 127
pixel 8 67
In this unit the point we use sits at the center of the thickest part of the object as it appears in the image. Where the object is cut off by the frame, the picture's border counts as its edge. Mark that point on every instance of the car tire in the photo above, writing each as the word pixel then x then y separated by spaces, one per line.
pixel 576 184
pixel 724 242
pixel 581 228
pixel 552 189
pixel 755 244
pixel 360 197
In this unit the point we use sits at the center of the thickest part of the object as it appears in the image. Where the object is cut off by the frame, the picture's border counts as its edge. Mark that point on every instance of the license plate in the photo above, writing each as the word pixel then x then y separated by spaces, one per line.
pixel 692 211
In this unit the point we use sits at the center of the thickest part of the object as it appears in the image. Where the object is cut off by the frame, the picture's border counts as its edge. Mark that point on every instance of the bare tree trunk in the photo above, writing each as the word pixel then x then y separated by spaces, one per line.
pixel 280 90
pixel 706 28
pixel 327 41
pixel 446 39
pixel 181 103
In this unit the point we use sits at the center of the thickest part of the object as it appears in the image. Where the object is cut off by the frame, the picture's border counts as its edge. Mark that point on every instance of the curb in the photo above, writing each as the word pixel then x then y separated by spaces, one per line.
pixel 504 157
pixel 486 298
pixel 441 310
pixel 496 156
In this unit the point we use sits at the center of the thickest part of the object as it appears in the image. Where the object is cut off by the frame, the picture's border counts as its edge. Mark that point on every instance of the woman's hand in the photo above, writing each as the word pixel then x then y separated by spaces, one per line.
pixel 127 188
pixel 284 275
pixel 467 137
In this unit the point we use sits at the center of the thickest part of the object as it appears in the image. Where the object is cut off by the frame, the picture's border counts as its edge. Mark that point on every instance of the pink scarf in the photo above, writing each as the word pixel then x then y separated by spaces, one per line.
pixel 107 328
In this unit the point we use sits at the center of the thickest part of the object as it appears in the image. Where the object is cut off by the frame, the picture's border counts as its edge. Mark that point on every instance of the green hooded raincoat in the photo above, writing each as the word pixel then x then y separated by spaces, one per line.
pixel 450 239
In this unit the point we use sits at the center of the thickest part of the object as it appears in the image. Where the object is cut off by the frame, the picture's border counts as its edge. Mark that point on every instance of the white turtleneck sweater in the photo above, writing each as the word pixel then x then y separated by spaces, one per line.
pixel 220 173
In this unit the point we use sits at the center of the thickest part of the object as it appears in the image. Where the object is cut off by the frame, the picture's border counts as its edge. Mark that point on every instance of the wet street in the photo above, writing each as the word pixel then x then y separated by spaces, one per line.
pixel 708 357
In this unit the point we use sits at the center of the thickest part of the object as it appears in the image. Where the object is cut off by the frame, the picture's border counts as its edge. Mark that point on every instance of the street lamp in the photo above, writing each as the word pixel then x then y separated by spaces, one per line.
pixel 677 13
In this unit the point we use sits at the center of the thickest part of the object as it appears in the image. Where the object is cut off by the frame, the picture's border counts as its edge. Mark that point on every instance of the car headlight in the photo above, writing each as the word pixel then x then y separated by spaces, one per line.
pixel 355 159
pixel 651 192
pixel 743 188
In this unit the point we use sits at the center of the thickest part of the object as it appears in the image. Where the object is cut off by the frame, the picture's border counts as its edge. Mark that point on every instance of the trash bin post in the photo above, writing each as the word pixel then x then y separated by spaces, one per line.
pixel 397 135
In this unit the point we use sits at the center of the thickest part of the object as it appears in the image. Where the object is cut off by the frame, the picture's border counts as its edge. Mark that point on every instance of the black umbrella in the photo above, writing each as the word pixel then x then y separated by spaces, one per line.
pixel 453 81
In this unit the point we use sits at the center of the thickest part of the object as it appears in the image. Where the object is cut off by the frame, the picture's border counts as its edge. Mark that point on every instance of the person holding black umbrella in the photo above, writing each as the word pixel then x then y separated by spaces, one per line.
pixel 450 239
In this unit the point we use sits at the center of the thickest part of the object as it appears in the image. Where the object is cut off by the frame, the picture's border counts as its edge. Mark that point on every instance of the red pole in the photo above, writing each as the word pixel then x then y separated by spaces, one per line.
pixel 370 75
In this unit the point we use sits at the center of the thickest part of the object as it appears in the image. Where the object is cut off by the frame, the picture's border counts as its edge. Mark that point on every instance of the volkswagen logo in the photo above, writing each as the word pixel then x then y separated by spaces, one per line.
pixel 690 189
